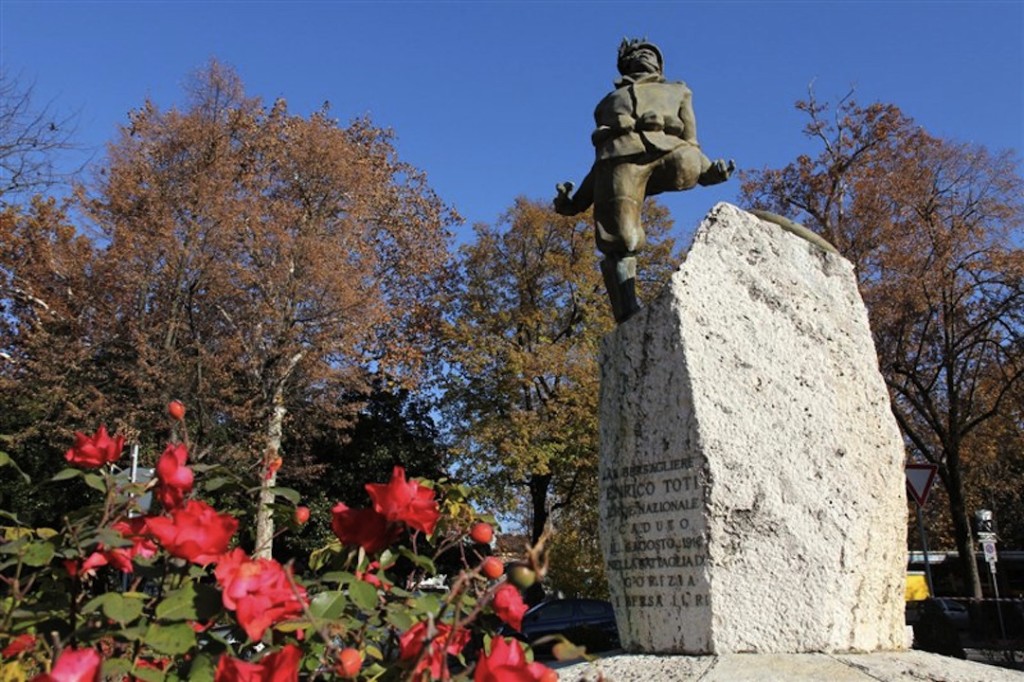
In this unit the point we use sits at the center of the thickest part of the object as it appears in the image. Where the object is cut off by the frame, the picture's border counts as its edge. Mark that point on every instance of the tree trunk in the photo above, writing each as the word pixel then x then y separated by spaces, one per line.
pixel 539 484
pixel 264 512
pixel 962 530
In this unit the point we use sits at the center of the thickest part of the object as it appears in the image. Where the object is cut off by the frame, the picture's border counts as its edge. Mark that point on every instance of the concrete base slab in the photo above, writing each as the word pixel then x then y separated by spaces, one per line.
pixel 904 666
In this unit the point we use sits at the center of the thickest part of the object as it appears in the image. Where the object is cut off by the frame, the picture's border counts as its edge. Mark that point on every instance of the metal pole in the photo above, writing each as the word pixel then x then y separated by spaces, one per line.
pixel 999 604
pixel 131 510
pixel 927 559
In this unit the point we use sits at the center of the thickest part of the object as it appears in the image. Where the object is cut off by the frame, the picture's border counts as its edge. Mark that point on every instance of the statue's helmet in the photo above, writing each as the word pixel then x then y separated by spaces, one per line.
pixel 629 46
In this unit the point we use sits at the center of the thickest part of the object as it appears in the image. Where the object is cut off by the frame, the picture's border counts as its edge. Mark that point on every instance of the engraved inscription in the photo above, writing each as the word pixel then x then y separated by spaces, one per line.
pixel 653 517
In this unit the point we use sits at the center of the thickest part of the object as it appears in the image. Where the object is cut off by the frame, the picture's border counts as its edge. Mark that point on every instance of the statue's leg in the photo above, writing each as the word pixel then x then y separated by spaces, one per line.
pixel 680 169
pixel 619 273
pixel 619 193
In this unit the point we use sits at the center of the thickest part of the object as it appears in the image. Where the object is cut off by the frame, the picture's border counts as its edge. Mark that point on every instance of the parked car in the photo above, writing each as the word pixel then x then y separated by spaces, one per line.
pixel 951 610
pixel 584 622
pixel 956 612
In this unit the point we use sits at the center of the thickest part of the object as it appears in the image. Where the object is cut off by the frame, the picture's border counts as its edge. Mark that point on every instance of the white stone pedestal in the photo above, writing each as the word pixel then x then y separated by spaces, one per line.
pixel 752 489
pixel 905 666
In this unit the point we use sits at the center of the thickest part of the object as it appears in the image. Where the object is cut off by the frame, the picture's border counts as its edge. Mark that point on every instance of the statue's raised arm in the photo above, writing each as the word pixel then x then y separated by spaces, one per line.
pixel 645 143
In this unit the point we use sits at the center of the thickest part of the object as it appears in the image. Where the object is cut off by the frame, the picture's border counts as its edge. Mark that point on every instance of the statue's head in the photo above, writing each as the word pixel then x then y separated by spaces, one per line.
pixel 639 56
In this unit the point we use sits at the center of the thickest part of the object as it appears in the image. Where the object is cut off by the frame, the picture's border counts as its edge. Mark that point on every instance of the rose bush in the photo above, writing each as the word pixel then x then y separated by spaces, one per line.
pixel 126 591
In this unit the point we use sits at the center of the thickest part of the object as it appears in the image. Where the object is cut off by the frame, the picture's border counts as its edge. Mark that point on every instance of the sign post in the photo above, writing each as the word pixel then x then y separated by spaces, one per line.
pixel 919 483
pixel 987 538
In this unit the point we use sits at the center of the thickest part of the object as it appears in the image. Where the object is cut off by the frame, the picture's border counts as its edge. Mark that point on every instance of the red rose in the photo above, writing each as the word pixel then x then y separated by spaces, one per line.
pixel 379 579
pixel 134 529
pixel 363 527
pixel 258 591
pixel 74 665
pixel 118 557
pixel 509 605
pixel 196 532
pixel 444 642
pixel 301 515
pixel 507 663
pixel 175 479
pixel 406 501
pixel 91 452
pixel 281 666
pixel 19 644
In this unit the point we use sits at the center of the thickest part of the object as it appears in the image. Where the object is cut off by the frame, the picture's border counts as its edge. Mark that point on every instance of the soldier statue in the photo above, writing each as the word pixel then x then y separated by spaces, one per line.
pixel 645 144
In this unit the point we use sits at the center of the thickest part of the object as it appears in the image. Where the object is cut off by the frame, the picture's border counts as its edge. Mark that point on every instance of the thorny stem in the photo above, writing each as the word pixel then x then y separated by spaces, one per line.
pixel 17 593
pixel 320 629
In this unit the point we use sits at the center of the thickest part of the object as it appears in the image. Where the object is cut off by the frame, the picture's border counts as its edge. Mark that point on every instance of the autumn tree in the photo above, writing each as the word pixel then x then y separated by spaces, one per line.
pixel 929 224
pixel 31 134
pixel 50 378
pixel 524 341
pixel 257 264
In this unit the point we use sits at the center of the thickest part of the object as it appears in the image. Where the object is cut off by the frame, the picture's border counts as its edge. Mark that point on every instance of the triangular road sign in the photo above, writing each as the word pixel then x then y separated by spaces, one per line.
pixel 919 480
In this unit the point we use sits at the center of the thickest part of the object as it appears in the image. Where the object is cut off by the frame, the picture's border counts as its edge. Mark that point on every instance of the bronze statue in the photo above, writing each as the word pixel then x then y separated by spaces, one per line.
pixel 645 143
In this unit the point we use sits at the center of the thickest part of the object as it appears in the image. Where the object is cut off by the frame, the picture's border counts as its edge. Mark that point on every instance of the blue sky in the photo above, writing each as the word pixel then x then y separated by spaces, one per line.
pixel 494 99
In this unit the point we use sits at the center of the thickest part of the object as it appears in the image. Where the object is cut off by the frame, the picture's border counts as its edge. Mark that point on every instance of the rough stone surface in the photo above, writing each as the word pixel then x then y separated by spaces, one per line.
pixel 909 666
pixel 752 490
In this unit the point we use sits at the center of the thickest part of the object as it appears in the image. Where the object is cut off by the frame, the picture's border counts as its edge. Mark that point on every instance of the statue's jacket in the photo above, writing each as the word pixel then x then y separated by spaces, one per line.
pixel 647 115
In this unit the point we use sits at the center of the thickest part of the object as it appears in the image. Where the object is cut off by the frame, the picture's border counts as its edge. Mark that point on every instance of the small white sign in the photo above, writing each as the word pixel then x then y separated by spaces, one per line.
pixel 989 548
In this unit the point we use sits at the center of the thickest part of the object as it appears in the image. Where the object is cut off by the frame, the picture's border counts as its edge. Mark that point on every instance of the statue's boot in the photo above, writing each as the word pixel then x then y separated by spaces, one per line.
pixel 620 281
pixel 716 172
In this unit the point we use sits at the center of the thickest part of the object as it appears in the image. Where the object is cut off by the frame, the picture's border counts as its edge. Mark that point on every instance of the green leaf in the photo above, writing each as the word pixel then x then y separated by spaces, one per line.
pixel 109 538
pixel 14 546
pixel 38 553
pixel 293 626
pixel 95 482
pixel 427 603
pixel 5 460
pixel 420 561
pixel 337 577
pixel 171 639
pixel 96 603
pixel 178 605
pixel 374 652
pixel 65 475
pixel 400 619
pixel 363 594
pixel 190 602
pixel 134 633
pixel 149 674
pixel 322 556
pixel 202 669
pixel 115 668
pixel 329 605
pixel 123 608
pixel 216 483
pixel 289 494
